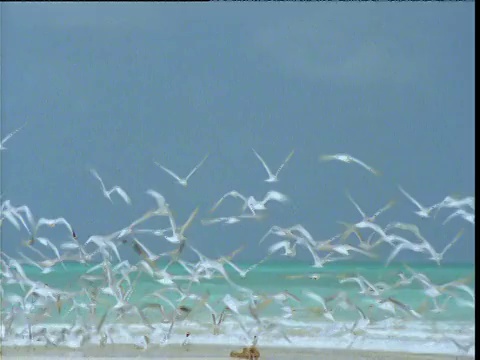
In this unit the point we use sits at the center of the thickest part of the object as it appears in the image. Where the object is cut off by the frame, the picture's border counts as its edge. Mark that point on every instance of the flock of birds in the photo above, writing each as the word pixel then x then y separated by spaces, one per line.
pixel 31 302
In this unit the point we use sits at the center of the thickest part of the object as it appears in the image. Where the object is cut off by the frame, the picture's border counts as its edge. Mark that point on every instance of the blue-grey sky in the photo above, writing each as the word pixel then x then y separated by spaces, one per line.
pixel 117 86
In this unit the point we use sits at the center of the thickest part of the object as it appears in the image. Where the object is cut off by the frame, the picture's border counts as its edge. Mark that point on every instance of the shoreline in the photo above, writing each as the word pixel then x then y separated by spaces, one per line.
pixel 198 351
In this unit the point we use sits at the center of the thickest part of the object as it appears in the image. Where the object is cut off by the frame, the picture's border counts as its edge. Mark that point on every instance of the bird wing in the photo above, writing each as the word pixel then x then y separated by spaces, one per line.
pixel 326 157
pixel 451 216
pixel 395 252
pixel 159 198
pixel 189 221
pixel 233 193
pixel 264 164
pixel 123 194
pixel 63 221
pixel 274 195
pixel 315 297
pixel 196 167
pixel 383 209
pixel 369 168
pixel 366 253
pixel 6 138
pixel 266 235
pixel 213 221
pixel 458 236
pixel 417 204
pixel 168 171
pixel 279 245
pixel 94 173
pixel 356 205
pixel 285 162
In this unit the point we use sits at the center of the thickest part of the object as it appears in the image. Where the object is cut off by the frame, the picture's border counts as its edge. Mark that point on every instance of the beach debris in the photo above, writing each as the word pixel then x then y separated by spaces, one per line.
pixel 142 343
pixel 250 352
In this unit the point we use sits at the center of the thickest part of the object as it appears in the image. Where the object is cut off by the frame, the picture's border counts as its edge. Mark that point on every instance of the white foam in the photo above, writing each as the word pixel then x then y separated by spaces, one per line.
pixel 399 336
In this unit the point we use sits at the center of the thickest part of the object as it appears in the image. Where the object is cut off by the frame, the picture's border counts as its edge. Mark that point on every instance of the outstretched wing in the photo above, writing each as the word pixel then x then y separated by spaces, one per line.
pixel 123 194
pixel 356 205
pixel 417 204
pixel 196 167
pixel 6 138
pixel 367 167
pixel 263 163
pixel 168 171
pixel 285 162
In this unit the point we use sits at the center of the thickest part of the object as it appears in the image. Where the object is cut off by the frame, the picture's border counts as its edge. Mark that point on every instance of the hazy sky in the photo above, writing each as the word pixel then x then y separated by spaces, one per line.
pixel 117 86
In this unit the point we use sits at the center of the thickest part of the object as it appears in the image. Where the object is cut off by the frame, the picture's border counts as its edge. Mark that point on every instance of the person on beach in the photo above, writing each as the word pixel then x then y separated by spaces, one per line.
pixel 186 342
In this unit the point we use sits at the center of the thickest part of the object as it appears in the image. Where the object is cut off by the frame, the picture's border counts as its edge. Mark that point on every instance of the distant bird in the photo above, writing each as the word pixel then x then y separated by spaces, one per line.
pixel 366 287
pixel 182 181
pixel 108 193
pixel 423 212
pixel 433 290
pixel 407 308
pixel 178 236
pixel 273 177
pixel 423 247
pixel 6 138
pixel 374 216
pixel 242 273
pixel 344 249
pixel 254 204
pixel 328 313
pixel 230 219
pixel 438 256
pixel 52 223
pixel 419 248
pixel 250 202
pixel 465 348
pixel 289 233
pixel 143 251
pixel 349 159
pixel 457 202
pixel 232 193
pixel 462 213
pixel 161 202
pixel 290 248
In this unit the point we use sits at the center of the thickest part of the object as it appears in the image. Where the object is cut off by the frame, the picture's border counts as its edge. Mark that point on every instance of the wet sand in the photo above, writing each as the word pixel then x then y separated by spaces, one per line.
pixel 222 352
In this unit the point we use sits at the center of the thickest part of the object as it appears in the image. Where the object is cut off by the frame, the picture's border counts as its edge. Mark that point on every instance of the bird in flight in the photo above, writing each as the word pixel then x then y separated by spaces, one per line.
pixel 182 181
pixel 108 193
pixel 349 159
pixel 6 138
pixel 273 177
pixel 423 212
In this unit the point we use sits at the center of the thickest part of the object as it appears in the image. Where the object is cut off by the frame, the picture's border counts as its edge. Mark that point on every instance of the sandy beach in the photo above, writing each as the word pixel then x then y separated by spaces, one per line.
pixel 209 352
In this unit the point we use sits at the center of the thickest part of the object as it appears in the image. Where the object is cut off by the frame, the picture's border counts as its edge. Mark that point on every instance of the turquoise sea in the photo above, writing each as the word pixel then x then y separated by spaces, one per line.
pixel 305 325
pixel 272 278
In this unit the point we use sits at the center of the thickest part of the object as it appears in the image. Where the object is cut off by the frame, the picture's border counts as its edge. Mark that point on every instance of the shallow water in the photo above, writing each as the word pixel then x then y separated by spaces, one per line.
pixel 306 327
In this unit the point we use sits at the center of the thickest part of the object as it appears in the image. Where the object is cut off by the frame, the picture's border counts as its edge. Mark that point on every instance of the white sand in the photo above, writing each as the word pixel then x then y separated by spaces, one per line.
pixel 208 352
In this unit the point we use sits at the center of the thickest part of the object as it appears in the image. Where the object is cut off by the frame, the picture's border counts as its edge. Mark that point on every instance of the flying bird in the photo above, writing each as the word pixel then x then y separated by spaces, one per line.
pixel 349 159
pixel 6 138
pixel 108 193
pixel 423 212
pixel 273 177
pixel 374 216
pixel 182 181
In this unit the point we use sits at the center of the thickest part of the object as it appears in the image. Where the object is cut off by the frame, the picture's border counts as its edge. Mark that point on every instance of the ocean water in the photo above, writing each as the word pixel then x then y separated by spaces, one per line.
pixel 303 324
